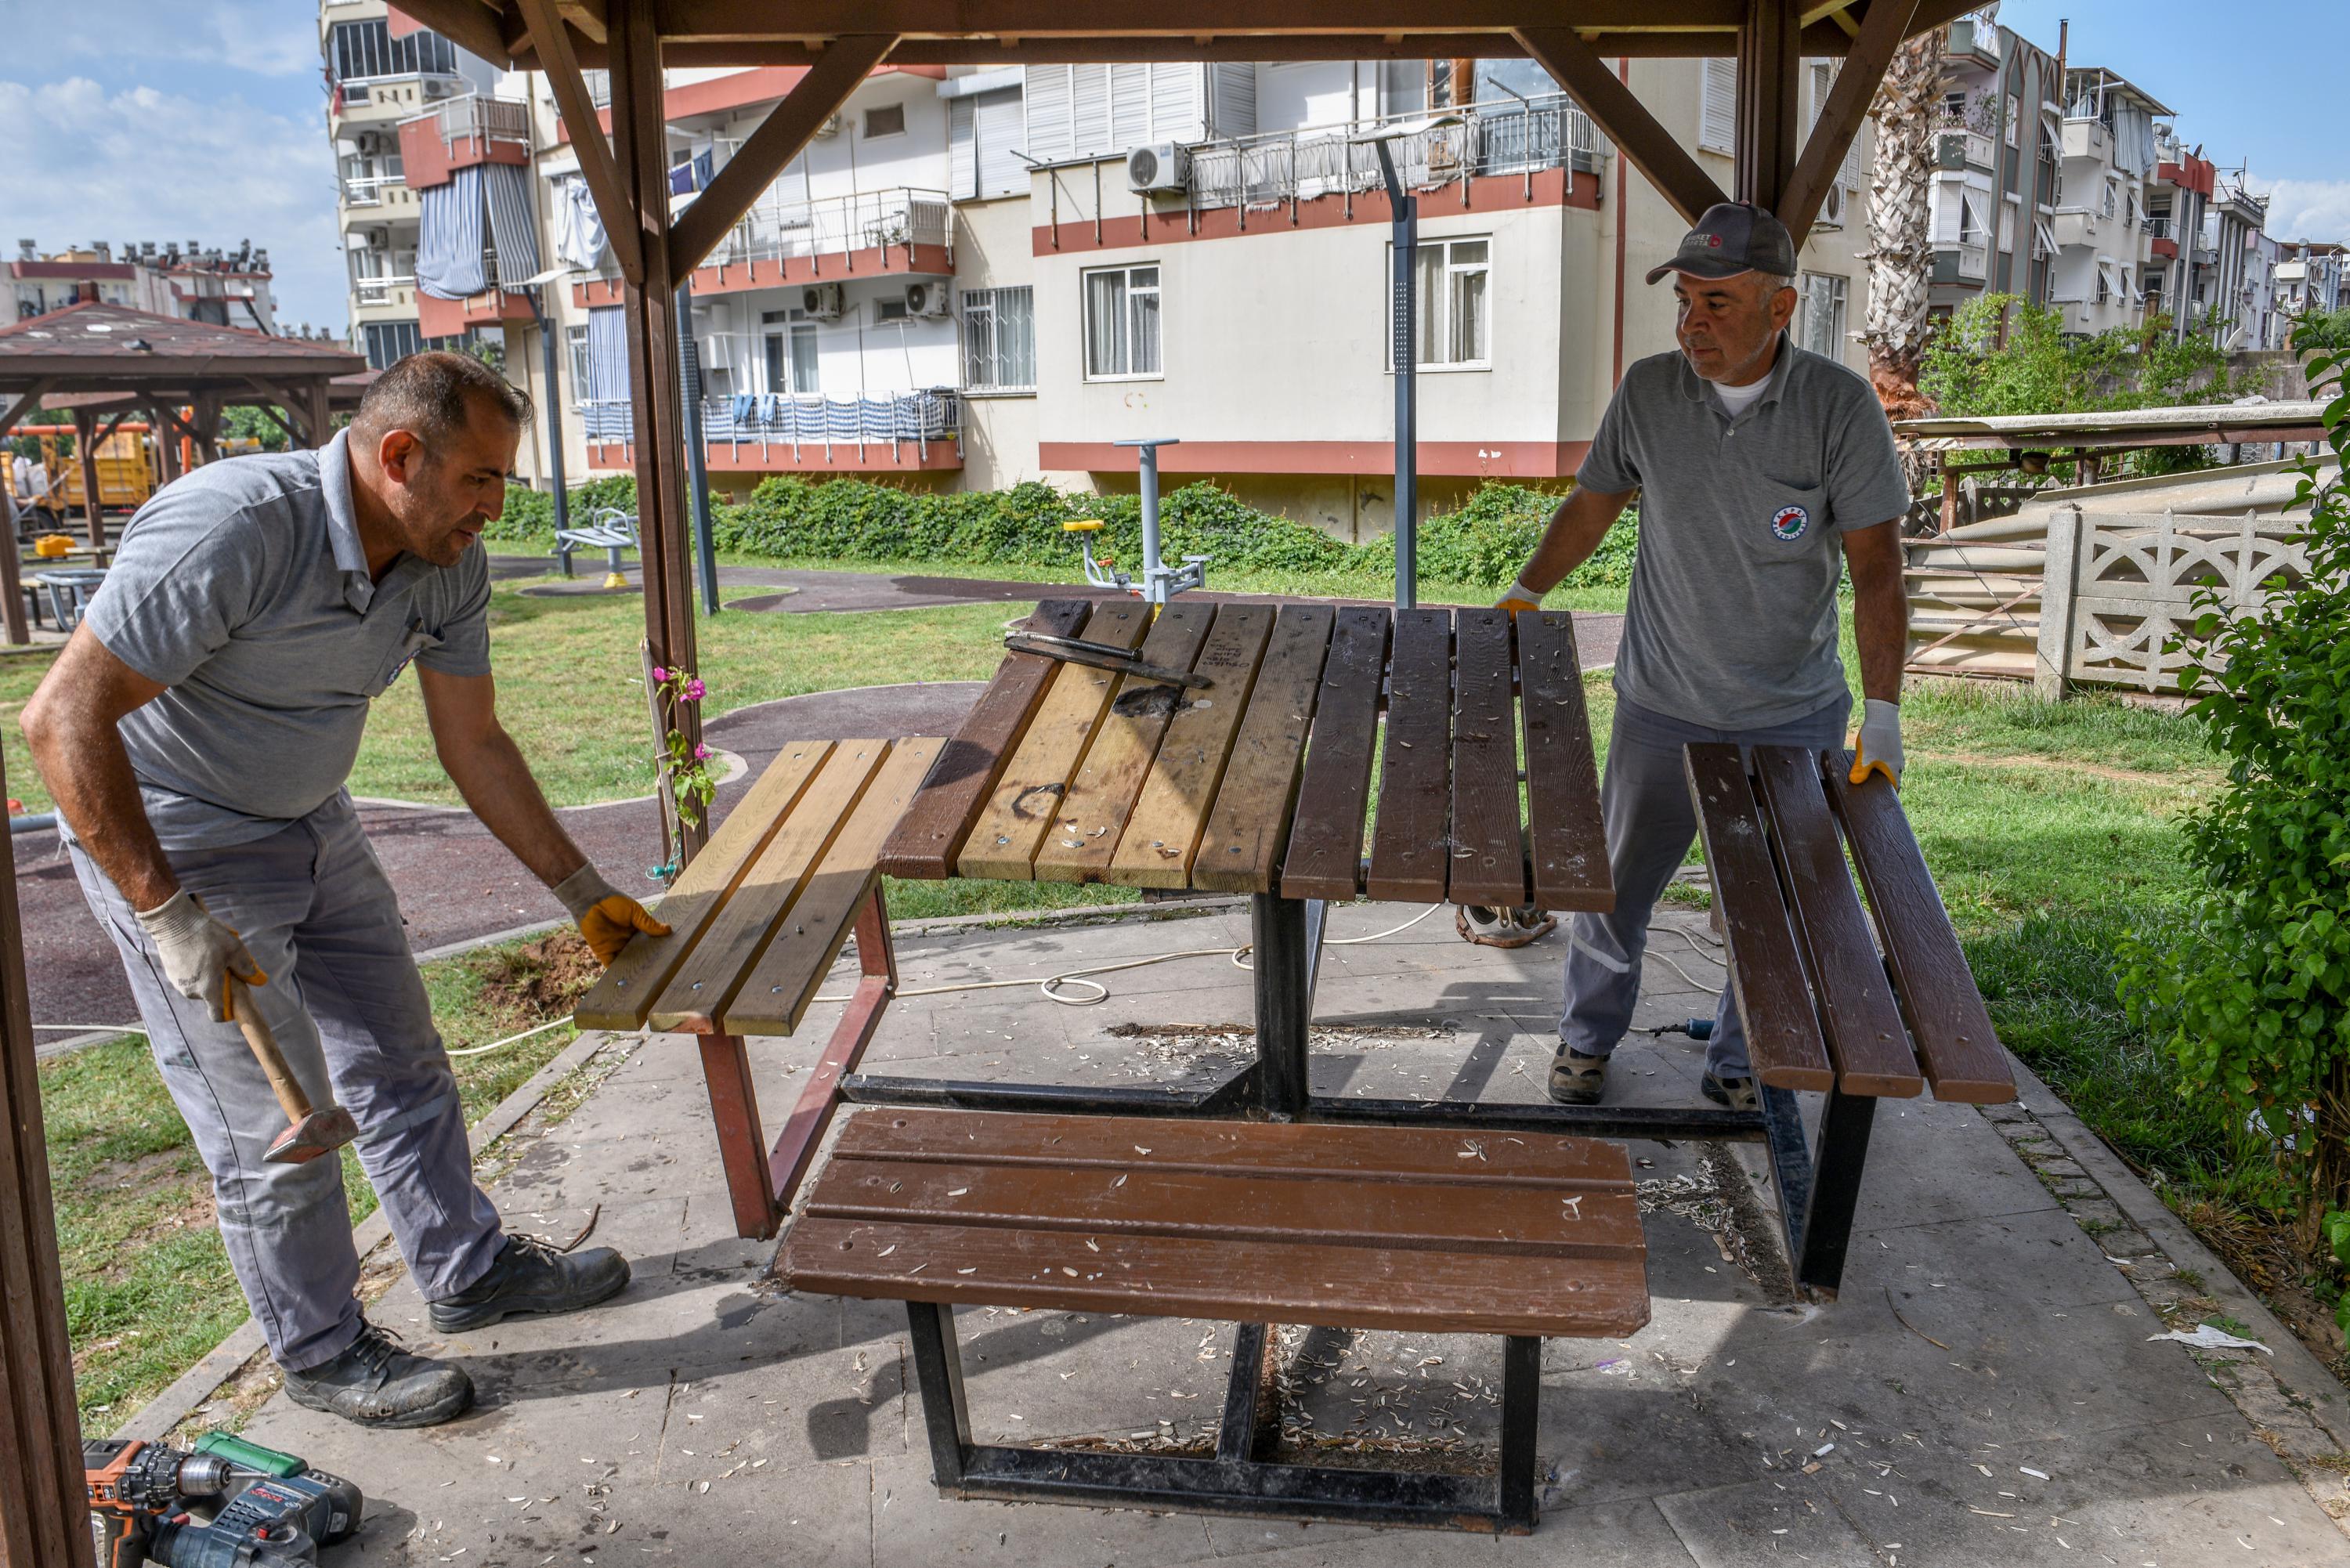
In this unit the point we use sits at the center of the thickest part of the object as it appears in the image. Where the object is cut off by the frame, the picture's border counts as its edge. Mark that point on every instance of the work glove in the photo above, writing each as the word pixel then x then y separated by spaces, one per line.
pixel 1878 747
pixel 1519 597
pixel 606 917
pixel 199 954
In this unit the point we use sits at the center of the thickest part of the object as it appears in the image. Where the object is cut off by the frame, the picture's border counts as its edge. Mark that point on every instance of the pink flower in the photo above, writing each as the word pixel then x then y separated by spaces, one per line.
pixel 694 690
pixel 700 753
pixel 659 673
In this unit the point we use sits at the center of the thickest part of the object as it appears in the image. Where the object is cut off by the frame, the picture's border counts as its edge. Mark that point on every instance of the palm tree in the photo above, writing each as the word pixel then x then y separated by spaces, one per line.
pixel 1900 258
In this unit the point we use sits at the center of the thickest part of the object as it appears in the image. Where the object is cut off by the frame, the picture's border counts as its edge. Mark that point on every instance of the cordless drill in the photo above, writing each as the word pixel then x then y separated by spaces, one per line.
pixel 269 1509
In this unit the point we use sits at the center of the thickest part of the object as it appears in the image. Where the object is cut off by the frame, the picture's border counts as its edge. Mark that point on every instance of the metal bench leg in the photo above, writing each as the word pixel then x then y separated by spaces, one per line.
pixel 563 557
pixel 1241 1434
pixel 877 961
pixel 938 1373
pixel 742 1147
pixel 1286 934
pixel 1521 1419
pixel 1836 1190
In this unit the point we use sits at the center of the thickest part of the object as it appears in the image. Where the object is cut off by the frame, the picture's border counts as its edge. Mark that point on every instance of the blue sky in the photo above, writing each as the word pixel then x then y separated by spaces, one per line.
pixel 205 120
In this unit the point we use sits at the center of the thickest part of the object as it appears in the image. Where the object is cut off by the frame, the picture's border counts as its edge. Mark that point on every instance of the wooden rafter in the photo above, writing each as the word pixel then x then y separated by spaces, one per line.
pixel 789 128
pixel 1650 148
pixel 622 226
pixel 24 404
pixel 1841 117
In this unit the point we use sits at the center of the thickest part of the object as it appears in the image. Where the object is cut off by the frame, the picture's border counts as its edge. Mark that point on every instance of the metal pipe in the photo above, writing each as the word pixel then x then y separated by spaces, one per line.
pixel 552 403
pixel 36 822
pixel 1404 243
pixel 689 363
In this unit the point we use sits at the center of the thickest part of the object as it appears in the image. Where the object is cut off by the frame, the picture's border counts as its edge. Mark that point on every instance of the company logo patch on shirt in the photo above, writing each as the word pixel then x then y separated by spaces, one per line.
pixel 1789 522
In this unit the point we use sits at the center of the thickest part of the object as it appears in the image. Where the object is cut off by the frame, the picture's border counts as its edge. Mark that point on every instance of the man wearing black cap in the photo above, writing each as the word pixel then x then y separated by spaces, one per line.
pixel 1763 470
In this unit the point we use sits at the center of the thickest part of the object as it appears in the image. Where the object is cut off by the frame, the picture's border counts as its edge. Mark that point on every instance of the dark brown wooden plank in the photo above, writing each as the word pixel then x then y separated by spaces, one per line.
pixel 1956 1045
pixel 932 832
pixel 1569 847
pixel 1325 846
pixel 1249 826
pixel 1487 863
pixel 1352 1210
pixel 1411 843
pixel 1163 835
pixel 1866 1038
pixel 1533 1160
pixel 1234 1281
pixel 1782 1033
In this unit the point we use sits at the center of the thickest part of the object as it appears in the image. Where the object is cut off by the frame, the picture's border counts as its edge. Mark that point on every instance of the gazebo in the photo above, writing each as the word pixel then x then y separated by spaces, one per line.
pixel 836 45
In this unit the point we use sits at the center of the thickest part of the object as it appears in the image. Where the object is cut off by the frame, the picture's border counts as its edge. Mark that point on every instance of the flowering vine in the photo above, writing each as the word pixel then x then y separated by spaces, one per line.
pixel 687 767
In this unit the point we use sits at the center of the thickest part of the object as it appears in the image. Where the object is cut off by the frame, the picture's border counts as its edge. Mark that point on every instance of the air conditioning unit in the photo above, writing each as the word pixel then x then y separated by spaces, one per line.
pixel 822 301
pixel 829 129
pixel 1158 166
pixel 926 299
pixel 1831 209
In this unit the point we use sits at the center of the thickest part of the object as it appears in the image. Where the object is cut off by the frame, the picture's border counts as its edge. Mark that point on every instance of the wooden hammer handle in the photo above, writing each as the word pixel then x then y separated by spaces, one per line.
pixel 290 1097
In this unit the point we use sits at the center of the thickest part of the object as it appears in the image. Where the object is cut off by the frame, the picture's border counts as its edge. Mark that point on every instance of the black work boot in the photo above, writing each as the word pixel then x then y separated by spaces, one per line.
pixel 1576 1079
pixel 531 1276
pixel 1737 1094
pixel 376 1382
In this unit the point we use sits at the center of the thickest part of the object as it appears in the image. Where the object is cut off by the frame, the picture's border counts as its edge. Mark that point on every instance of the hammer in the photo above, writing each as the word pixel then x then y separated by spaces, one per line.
pixel 309 1133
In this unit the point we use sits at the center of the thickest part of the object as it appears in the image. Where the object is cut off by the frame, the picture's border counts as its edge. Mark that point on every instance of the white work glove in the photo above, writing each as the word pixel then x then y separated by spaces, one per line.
pixel 1878 747
pixel 606 917
pixel 199 955
pixel 1519 597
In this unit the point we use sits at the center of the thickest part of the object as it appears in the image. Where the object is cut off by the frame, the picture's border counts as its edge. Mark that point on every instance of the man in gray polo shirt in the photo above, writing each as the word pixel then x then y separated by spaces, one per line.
pixel 1763 470
pixel 196 733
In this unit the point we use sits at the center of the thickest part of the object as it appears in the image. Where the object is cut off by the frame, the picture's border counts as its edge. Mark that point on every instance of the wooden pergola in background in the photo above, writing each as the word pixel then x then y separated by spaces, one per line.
pixel 839 42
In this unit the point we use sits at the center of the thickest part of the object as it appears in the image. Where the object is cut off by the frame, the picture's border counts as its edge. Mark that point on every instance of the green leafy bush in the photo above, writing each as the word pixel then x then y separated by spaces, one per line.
pixel 2255 992
pixel 530 515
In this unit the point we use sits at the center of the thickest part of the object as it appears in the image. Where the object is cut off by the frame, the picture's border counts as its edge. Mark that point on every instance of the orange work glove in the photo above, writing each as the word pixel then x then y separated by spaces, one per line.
pixel 606 917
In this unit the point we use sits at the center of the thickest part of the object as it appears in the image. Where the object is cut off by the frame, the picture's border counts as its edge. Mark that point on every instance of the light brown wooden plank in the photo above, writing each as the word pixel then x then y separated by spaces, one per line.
pixel 1537 1162
pixel 1163 834
pixel 1569 845
pixel 1488 851
pixel 1411 842
pixel 1356 1210
pixel 775 993
pixel 745 921
pixel 1244 1282
pixel 1029 794
pixel 1250 825
pixel 1782 1033
pixel 1109 781
pixel 1866 1037
pixel 1326 846
pixel 931 832
pixel 1956 1045
pixel 627 990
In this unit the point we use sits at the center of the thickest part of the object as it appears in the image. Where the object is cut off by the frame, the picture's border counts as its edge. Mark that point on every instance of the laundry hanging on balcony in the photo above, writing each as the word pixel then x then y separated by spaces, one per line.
pixel 450 233
pixel 514 232
pixel 579 228
pixel 606 413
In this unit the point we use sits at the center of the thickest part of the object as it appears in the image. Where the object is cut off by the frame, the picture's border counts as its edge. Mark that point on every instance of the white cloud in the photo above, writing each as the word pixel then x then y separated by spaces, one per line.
pixel 143 164
pixel 269 38
pixel 2306 209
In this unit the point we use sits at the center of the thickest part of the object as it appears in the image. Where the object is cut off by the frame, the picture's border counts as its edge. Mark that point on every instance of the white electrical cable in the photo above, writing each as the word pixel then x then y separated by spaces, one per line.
pixel 94 1028
pixel 496 1044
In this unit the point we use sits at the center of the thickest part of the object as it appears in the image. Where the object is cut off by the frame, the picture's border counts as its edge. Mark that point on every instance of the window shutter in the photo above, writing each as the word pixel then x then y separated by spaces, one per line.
pixel 1048 114
pixel 963 151
pixel 1090 107
pixel 997 122
pixel 1848 175
pixel 1130 107
pixel 1176 111
pixel 1231 100
pixel 1717 126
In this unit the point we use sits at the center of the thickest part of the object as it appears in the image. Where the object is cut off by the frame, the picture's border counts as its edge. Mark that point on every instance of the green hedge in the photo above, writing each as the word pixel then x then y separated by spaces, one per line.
pixel 1483 542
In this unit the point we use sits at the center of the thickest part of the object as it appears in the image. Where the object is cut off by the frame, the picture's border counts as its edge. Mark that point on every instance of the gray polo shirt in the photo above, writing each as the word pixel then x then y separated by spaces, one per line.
pixel 243 588
pixel 1732 617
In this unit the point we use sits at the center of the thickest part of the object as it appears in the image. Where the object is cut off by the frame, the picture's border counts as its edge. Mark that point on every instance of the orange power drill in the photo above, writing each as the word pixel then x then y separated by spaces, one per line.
pixel 268 1509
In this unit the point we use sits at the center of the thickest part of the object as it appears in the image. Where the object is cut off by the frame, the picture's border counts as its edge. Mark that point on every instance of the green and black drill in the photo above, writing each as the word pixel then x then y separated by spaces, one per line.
pixel 268 1510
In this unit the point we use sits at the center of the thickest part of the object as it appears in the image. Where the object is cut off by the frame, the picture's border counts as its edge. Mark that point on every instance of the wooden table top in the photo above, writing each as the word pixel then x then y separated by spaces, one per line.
pixel 1264 782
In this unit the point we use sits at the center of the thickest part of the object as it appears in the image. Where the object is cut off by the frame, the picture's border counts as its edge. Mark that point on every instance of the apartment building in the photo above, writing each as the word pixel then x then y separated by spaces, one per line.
pixel 227 289
pixel 2106 142
pixel 1998 148
pixel 2309 276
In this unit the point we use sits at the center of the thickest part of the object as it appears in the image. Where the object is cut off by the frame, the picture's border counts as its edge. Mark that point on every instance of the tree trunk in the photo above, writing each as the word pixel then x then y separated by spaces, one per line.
pixel 1900 258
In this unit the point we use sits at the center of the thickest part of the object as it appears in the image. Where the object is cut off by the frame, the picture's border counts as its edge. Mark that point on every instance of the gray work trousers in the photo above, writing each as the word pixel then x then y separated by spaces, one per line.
pixel 1645 804
pixel 347 1005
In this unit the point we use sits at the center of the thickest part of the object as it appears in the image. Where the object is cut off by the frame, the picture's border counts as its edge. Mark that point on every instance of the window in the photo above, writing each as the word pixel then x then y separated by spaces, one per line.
pixel 889 309
pixel 1122 328
pixel 2008 208
pixel 363 49
pixel 885 120
pixel 1819 313
pixel 1452 299
pixel 999 339
pixel 1717 119
pixel 1954 109
pixel 790 353
pixel 575 342
pixel 389 342
pixel 2014 121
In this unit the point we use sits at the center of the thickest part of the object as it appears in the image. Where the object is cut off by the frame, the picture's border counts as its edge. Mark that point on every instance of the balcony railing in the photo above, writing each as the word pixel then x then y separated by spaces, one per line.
pixel 355 91
pixel 1957 146
pixel 367 190
pixel 480 119
pixel 1546 133
pixel 776 230
pixel 763 419
pixel 1973 260
pixel 2157 228
pixel 379 290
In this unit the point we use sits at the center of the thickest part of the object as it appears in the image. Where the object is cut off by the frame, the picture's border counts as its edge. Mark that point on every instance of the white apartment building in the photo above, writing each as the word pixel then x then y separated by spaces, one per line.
pixel 227 289
pixel 2309 276
pixel 2108 142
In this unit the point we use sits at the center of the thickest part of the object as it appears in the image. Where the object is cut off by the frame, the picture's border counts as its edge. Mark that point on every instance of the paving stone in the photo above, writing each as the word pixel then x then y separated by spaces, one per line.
pixel 1767 1521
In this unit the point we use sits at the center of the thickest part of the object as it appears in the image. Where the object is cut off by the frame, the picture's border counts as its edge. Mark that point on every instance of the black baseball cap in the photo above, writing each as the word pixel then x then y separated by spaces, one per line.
pixel 1731 238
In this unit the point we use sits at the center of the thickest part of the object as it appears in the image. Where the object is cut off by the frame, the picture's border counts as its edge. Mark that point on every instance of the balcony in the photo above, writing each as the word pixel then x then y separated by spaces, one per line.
pixel 462 132
pixel 373 189
pixel 391 289
pixel 378 99
pixel 2089 138
pixel 1960 262
pixel 1976 36
pixel 903 231
pixel 1962 148
pixel 775 433
pixel 1545 133
pixel 438 317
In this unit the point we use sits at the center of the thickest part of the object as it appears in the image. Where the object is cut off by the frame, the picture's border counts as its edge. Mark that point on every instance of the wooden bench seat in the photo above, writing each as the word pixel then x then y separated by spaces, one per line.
pixel 1256 1223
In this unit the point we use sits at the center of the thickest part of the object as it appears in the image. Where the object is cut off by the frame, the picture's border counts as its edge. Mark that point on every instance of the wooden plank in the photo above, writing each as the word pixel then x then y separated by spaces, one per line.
pixel 1325 846
pixel 1352 1210
pixel 1162 834
pixel 1866 1038
pixel 1411 844
pixel 621 998
pixel 1530 1161
pixel 1569 845
pixel 1957 1046
pixel 744 923
pixel 1782 1033
pixel 1109 782
pixel 932 832
pixel 1250 824
pixel 1487 863
pixel 775 993
pixel 1247 1282
pixel 1029 794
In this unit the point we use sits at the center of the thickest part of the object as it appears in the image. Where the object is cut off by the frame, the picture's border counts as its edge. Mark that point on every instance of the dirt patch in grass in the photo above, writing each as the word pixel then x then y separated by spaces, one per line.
pixel 537 979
